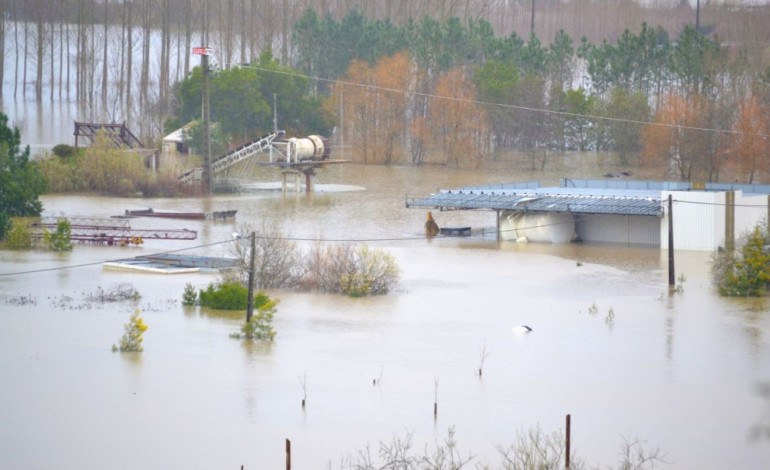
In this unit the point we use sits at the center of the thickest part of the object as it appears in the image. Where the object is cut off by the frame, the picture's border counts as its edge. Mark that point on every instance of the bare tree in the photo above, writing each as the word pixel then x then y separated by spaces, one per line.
pixel 165 53
pixel 2 45
pixel 105 45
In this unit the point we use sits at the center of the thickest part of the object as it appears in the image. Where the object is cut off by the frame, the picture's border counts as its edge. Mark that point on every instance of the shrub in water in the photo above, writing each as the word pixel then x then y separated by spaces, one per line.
pixel 744 271
pixel 133 336
pixel 19 236
pixel 225 296
pixel 352 270
pixel 261 324
pixel 61 239
pixel 190 295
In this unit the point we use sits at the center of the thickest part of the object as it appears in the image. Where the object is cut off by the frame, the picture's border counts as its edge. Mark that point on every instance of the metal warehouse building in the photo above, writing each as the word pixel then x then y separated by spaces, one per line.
pixel 705 215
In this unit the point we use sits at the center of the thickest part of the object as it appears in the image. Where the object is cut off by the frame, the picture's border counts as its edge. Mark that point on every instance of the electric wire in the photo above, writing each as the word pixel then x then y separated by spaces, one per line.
pixel 330 240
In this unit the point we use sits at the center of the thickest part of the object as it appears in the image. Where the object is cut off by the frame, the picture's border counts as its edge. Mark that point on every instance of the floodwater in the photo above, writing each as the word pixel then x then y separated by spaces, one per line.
pixel 678 372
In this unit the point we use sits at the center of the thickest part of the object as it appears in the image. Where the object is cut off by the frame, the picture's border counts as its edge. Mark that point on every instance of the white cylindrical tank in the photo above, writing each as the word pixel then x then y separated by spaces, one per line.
pixel 550 227
pixel 312 147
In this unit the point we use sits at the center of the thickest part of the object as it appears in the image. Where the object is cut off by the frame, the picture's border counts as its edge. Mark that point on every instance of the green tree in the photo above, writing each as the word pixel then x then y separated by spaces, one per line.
pixel 497 82
pixel 561 57
pixel 628 111
pixel 238 104
pixel 696 62
pixel 577 125
pixel 242 100
pixel 299 111
pixel 21 182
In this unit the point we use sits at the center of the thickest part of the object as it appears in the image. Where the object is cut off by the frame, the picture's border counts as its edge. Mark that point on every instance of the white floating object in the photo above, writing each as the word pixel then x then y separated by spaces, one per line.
pixel 521 329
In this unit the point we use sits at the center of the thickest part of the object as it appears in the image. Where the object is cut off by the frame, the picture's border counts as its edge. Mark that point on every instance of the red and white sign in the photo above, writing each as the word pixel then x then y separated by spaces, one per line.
pixel 203 50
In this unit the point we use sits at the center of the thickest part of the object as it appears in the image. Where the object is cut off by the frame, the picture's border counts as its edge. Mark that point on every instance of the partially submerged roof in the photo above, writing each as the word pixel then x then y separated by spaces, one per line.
pixel 530 197
pixel 544 200
pixel 169 263
pixel 578 196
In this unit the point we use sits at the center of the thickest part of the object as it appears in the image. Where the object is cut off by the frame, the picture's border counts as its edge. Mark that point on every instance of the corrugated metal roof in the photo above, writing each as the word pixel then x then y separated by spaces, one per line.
pixel 546 200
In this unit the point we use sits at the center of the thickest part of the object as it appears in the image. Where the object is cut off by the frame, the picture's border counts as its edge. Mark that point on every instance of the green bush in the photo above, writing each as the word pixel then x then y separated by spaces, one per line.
pixel 261 324
pixel 744 271
pixel 62 175
pixel 5 225
pixel 18 236
pixel 105 169
pixel 225 296
pixel 61 239
pixel 64 151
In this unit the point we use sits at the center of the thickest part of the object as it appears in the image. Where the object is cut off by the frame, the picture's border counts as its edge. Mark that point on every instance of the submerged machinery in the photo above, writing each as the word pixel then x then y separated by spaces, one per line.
pixel 310 148
pixel 296 155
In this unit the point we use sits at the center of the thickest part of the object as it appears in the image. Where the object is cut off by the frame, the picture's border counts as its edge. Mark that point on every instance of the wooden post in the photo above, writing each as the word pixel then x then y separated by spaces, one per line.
pixel 288 454
pixel 435 398
pixel 309 173
pixel 729 221
pixel 671 270
pixel 250 305
pixel 566 456
pixel 768 213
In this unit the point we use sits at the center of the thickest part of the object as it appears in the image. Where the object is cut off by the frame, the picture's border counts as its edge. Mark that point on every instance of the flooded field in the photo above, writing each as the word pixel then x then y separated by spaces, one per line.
pixel 679 372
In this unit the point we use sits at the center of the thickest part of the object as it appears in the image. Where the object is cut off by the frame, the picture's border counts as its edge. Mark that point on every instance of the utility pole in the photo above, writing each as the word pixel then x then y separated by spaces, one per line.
pixel 206 126
pixel 671 275
pixel 250 305
pixel 697 16
pixel 204 52
pixel 532 20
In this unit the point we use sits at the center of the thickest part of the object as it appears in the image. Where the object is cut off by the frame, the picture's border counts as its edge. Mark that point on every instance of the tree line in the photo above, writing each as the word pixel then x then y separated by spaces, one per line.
pixel 457 93
pixel 600 75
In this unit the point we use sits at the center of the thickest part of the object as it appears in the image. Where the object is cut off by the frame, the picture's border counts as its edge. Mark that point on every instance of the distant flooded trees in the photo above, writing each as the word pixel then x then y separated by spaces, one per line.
pixel 601 72
pixel 465 95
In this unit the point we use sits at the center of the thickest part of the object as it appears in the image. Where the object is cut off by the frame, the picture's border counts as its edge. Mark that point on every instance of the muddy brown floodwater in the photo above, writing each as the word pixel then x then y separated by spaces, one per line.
pixel 680 372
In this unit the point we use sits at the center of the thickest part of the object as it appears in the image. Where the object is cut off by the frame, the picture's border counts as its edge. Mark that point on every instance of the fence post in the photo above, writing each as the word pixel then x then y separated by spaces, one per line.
pixel 288 454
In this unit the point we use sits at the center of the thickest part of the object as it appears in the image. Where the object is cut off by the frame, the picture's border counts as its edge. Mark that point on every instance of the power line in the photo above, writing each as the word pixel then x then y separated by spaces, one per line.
pixel 503 105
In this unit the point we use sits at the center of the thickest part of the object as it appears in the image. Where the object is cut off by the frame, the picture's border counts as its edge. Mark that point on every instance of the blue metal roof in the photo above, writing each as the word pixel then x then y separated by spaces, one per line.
pixel 578 201
pixel 579 196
